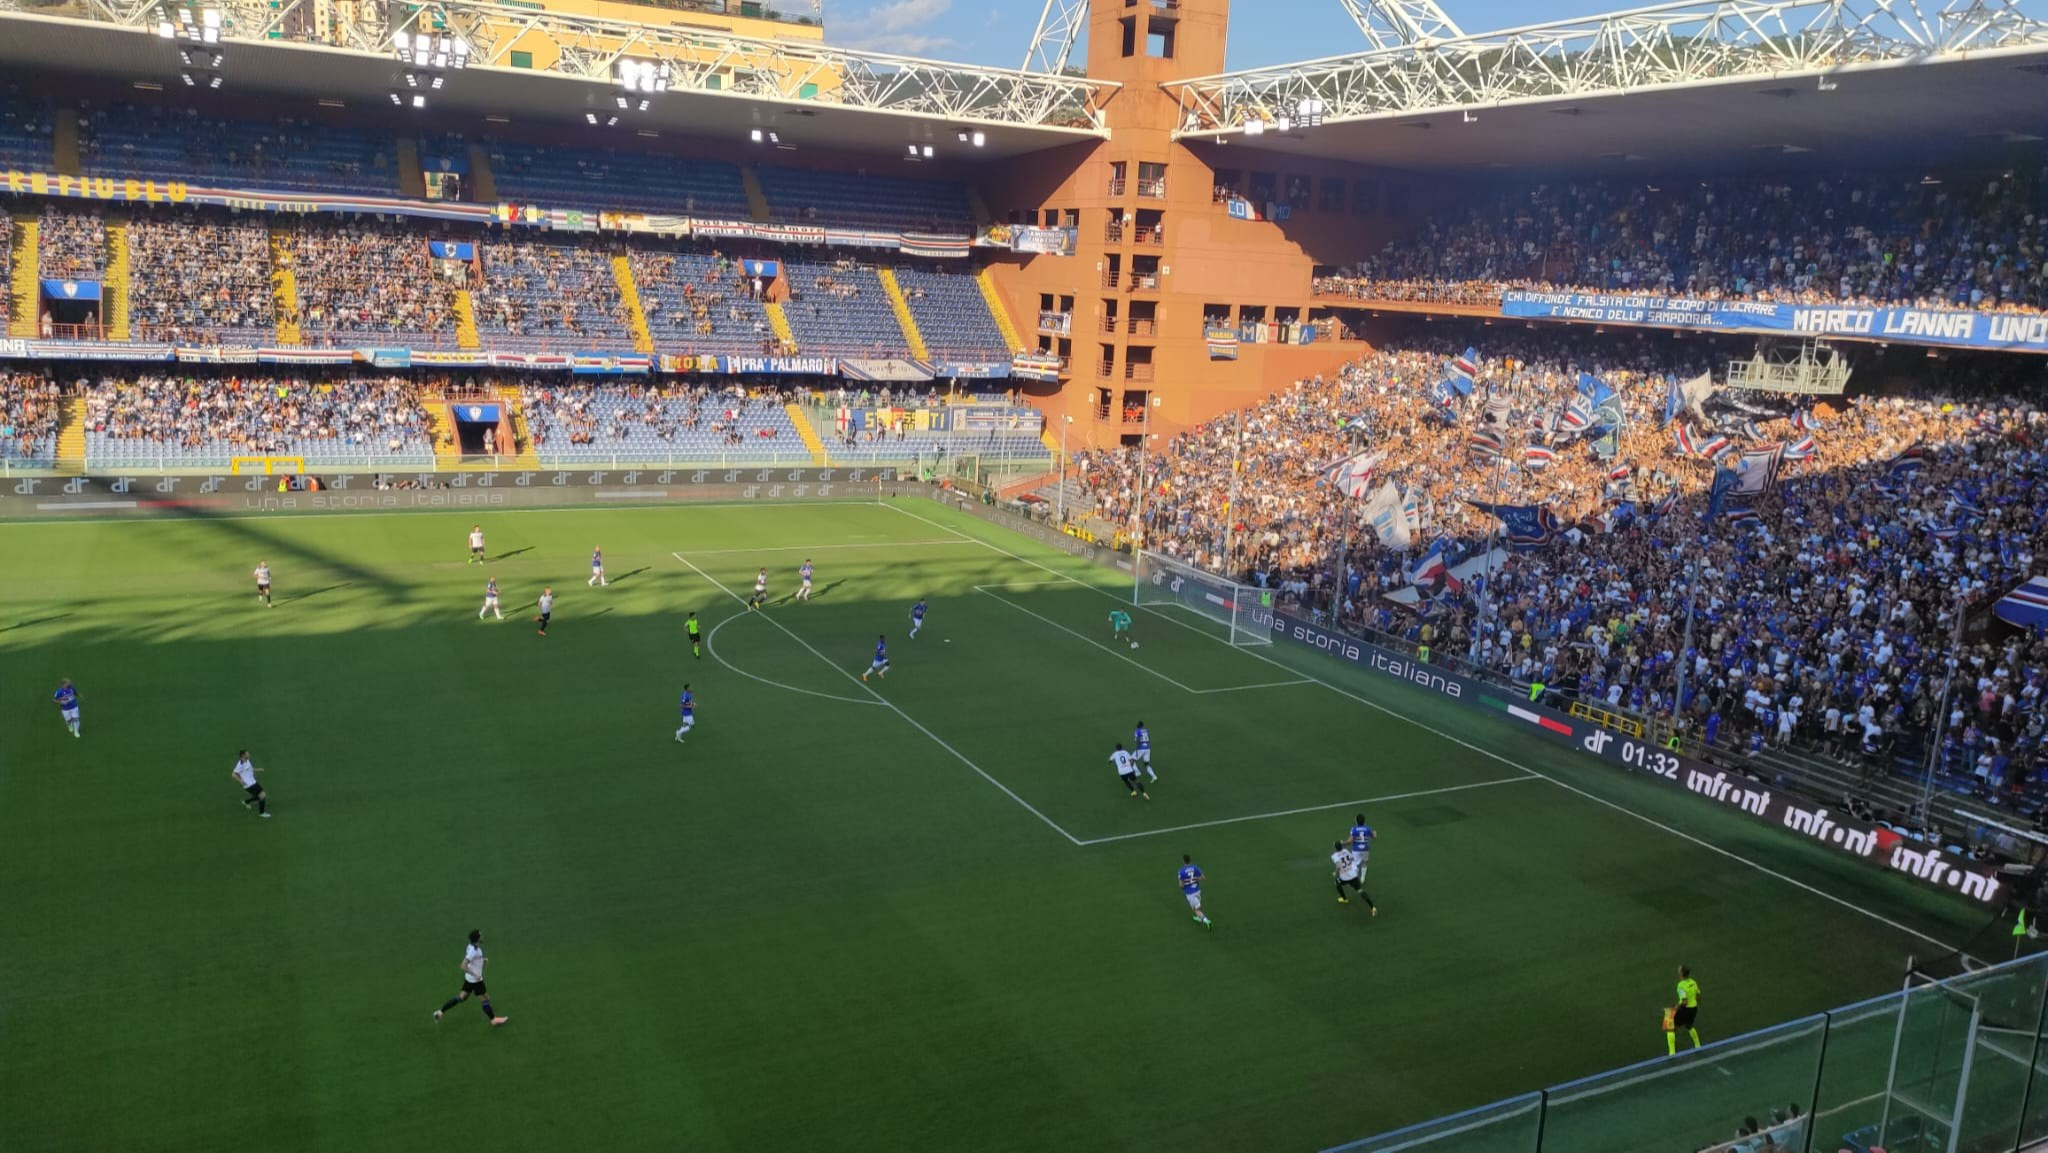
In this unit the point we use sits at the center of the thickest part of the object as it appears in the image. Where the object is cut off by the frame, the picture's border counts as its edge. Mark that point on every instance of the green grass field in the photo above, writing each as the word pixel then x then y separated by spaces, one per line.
pixel 921 917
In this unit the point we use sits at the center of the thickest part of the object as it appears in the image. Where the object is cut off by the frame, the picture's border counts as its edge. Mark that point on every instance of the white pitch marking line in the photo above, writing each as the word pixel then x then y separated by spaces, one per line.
pixel 983 589
pixel 1488 753
pixel 1263 685
pixel 1311 809
pixel 713 636
pixel 829 547
pixel 892 706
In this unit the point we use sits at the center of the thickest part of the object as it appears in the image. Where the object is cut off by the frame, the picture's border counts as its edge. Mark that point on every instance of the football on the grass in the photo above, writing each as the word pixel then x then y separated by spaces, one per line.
pixel 1134 644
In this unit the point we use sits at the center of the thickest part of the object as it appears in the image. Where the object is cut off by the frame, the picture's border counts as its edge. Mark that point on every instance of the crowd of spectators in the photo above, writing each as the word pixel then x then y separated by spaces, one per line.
pixel 6 268
pixel 1827 623
pixel 730 411
pixel 30 407
pixel 198 276
pixel 1972 243
pixel 71 245
pixel 364 278
pixel 259 413
pixel 549 292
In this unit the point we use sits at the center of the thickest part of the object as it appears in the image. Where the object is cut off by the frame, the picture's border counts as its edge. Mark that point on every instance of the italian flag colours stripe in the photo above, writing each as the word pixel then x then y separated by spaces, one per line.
pixel 1520 713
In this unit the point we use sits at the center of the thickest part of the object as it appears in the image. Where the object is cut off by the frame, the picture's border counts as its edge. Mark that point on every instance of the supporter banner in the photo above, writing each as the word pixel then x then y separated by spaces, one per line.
pixel 437 359
pixel 992 418
pixel 71 289
pixel 386 357
pixel 758 365
pixel 306 355
pixel 1222 342
pixel 1241 209
pixel 1036 366
pixel 474 413
pixel 216 355
pixel 885 370
pixel 608 364
pixel 1462 572
pixel 647 223
pixel 971 369
pixel 1943 327
pixel 82 350
pixel 122 191
pixel 2025 606
pixel 1045 241
pixel 933 246
pixel 451 249
pixel 1755 799
pixel 765 269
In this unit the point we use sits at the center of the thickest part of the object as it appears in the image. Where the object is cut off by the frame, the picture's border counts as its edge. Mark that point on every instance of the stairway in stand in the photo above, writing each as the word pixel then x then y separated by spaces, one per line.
pixel 997 309
pixel 411 180
pixel 284 284
pixel 119 265
pixel 71 435
pixel 757 198
pixel 629 295
pixel 805 430
pixel 26 292
pixel 515 411
pixel 905 321
pixel 483 183
pixel 779 321
pixel 465 320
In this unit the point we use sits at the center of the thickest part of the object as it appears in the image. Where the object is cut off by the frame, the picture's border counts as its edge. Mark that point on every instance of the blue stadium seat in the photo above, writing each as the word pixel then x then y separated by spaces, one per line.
pixel 858 200
pixel 179 144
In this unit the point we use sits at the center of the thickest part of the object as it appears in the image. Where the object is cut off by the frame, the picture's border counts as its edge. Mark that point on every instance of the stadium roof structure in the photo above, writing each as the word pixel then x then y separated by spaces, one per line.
pixel 1696 82
pixel 811 94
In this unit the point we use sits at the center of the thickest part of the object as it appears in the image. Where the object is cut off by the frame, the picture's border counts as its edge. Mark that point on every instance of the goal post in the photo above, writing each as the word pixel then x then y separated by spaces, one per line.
pixel 1242 612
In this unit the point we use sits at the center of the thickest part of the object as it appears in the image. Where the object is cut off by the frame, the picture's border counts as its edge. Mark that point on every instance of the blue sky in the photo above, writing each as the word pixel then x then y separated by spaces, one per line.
pixel 1262 32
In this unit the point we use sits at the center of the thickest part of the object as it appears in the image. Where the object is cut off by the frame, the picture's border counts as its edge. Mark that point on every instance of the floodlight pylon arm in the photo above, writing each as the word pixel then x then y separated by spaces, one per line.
pixel 1395 23
pixel 1052 45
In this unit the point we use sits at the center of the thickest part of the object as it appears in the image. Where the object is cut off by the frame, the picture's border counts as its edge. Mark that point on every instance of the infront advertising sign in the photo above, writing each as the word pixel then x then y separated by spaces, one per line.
pixel 1757 800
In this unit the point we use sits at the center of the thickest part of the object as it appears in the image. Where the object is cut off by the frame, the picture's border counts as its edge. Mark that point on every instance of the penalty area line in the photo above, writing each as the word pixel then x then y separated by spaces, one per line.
pixel 1313 809
pixel 1618 807
pixel 887 703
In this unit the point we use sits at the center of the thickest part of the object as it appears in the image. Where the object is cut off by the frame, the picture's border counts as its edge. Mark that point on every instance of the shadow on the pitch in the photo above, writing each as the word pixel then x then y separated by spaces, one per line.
pixel 626 576
pixel 825 589
pixel 513 553
pixel 36 621
pixel 314 593
pixel 601 612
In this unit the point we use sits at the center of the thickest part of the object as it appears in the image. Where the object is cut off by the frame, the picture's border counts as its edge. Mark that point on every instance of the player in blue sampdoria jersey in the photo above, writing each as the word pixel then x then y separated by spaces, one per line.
pixel 66 697
pixel 597 567
pixel 1142 738
pixel 917 612
pixel 687 706
pixel 1191 888
pixel 881 662
pixel 804 574
pixel 1361 839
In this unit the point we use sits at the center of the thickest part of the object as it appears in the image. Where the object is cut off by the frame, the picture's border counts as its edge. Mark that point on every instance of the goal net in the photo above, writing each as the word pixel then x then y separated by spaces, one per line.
pixel 1242 613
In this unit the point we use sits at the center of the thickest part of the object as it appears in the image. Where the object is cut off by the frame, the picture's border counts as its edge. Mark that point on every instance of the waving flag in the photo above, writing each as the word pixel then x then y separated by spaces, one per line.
pixel 1411 511
pixel 1484 444
pixel 1497 411
pixel 1577 416
pixel 1537 456
pixel 1608 444
pixel 1383 512
pixel 1352 476
pixel 1444 395
pixel 1905 465
pixel 1966 507
pixel 1619 472
pixel 1741 516
pixel 1713 446
pixel 1666 503
pixel 1526 525
pixel 1801 449
pixel 2025 606
pixel 1756 471
pixel 1681 440
pixel 1717 497
pixel 1463 369
pixel 1750 430
pixel 1674 400
pixel 1594 389
pixel 1805 421
pixel 1696 391
pixel 1430 573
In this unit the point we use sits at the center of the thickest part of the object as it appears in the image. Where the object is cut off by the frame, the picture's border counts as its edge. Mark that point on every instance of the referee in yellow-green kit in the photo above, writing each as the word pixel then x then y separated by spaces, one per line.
pixel 1685 1012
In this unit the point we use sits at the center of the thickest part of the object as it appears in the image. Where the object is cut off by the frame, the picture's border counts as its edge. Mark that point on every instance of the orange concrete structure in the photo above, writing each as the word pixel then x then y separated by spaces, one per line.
pixel 1158 256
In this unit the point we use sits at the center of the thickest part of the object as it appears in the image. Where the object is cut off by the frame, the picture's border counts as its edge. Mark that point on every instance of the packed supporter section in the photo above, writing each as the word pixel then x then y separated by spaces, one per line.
pixel 361 278
pixel 650 422
pixel 200 278
pixel 190 419
pixel 72 244
pixel 31 406
pixel 1823 614
pixel 544 295
pixel 1975 243
pixel 152 142
pixel 703 302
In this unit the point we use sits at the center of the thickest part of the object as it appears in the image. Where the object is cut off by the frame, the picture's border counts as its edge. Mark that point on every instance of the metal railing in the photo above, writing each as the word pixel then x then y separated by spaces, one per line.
pixel 1949 1065
pixel 1153 189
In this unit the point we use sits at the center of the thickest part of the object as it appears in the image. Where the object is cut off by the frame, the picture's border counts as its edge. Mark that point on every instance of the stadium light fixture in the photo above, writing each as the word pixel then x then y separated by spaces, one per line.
pixel 919 151
pixel 1310 110
pixel 977 139
pixel 1471 117
pixel 1255 127
pixel 646 76
pixel 760 136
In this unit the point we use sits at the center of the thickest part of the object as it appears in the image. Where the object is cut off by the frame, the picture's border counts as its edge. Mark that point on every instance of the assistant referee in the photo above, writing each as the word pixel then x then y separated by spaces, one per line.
pixel 1685 1012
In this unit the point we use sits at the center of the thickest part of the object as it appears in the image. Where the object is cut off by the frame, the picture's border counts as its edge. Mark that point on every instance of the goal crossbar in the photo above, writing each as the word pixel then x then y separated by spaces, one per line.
pixel 1244 612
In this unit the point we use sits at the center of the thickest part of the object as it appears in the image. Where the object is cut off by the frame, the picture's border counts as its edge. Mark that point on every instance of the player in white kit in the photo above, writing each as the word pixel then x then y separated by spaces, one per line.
pixel 263 582
pixel 1127 772
pixel 244 773
pixel 473 980
pixel 476 544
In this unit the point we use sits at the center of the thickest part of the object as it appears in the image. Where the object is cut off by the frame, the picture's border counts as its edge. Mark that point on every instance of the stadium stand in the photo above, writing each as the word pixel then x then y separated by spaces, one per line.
pixel 1895 239
pixel 604 178
pixel 358 278
pixel 693 422
pixel 862 200
pixel 73 244
pixel 952 314
pixel 30 408
pixel 840 309
pixel 699 302
pixel 25 128
pixel 201 277
pixel 150 142
pixel 550 296
pixel 188 420
pixel 884 425
pixel 6 268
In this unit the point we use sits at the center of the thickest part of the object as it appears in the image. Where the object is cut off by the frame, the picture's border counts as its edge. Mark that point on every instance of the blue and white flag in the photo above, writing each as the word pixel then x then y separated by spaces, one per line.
pixel 1674 400
pixel 1756 471
pixel 1594 389
pixel 1431 573
pixel 1577 416
pixel 1537 456
pixel 1725 481
pixel 1526 525
pixel 1965 507
pixel 2025 606
pixel 1383 512
pixel 1905 465
pixel 1484 443
pixel 1465 367
pixel 1801 449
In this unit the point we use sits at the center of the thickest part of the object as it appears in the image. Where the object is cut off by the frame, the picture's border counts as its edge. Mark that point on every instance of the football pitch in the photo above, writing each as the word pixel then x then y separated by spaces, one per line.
pixel 915 914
